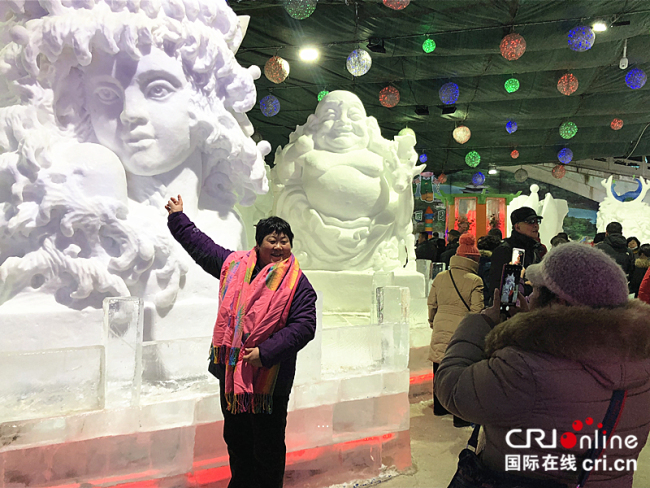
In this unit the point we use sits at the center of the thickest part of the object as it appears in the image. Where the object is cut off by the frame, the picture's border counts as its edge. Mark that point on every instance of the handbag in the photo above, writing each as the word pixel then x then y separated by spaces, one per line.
pixel 461 296
pixel 472 473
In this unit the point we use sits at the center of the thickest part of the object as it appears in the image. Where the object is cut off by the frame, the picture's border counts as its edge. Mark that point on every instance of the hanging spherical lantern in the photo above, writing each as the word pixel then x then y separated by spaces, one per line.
pixel 429 45
pixel 511 127
pixel 423 158
pixel 270 106
pixel 406 131
pixel 321 94
pixel 389 96
pixel 568 130
pixel 397 4
pixel 581 38
pixel 448 93
pixel 472 159
pixel 300 9
pixel 567 84
pixel 511 85
pixel 617 124
pixel 461 134
pixel 635 78
pixel 514 154
pixel 565 155
pixel 276 69
pixel 442 178
pixel 359 62
pixel 559 171
pixel 521 175
pixel 478 179
pixel 513 46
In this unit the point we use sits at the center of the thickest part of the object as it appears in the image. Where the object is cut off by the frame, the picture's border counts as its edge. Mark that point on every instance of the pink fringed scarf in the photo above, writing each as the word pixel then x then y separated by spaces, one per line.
pixel 249 312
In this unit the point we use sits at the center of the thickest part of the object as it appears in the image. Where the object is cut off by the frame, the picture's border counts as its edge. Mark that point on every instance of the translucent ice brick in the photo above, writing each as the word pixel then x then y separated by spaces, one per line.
pixel 123 322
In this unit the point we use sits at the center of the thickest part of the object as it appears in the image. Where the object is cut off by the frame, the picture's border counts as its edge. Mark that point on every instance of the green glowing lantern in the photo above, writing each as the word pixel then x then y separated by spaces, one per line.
pixel 428 46
pixel 511 85
pixel 568 130
pixel 322 94
pixel 472 159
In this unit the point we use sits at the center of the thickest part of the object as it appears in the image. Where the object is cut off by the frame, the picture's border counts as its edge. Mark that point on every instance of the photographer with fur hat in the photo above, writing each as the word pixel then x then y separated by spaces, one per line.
pixel 525 235
pixel 553 366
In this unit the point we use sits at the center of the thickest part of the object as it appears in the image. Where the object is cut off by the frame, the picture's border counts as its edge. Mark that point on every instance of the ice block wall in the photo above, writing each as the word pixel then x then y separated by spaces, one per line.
pixel 85 416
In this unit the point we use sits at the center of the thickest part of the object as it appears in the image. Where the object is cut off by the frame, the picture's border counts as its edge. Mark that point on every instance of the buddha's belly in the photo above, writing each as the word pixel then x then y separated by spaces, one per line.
pixel 346 193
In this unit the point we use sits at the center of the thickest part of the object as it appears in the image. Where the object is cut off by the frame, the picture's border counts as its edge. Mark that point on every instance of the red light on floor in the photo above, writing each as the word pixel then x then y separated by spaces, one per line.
pixel 422 378
pixel 207 476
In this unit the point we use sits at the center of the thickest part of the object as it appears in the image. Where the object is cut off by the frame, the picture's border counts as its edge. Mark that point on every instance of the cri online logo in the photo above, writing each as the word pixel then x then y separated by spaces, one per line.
pixel 569 440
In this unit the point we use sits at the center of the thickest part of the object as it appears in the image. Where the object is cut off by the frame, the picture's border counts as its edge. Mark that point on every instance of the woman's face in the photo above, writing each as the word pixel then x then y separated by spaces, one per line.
pixel 139 110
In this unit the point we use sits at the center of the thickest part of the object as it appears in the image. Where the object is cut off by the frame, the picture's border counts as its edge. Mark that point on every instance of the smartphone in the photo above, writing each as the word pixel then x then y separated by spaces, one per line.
pixel 510 285
pixel 518 256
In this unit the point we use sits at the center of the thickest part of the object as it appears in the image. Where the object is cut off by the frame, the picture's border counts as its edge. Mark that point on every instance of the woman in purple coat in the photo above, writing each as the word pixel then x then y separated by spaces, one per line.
pixel 267 313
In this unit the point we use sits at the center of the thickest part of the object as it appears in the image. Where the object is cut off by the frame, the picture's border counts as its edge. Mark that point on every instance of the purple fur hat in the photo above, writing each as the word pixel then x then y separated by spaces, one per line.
pixel 581 275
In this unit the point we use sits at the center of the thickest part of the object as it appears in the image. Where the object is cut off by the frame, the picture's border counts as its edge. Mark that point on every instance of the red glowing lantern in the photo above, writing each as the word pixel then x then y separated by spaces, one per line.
pixel 559 171
pixel 617 124
pixel 513 46
pixel 514 154
pixel 276 69
pixel 389 96
pixel 567 84
pixel 397 4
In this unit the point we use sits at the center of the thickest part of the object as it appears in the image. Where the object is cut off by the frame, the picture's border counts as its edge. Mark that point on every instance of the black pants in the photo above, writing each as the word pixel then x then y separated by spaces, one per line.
pixel 438 409
pixel 256 445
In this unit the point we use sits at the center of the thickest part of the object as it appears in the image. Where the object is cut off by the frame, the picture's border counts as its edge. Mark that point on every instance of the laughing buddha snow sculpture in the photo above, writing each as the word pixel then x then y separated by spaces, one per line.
pixel 346 190
pixel 109 109
pixel 633 215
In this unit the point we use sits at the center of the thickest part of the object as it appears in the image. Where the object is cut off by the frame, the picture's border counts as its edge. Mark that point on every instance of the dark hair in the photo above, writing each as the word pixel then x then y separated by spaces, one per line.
pixel 645 250
pixel 630 239
pixel 455 234
pixel 600 237
pixel 496 233
pixel 557 240
pixel 273 224
pixel 614 228
pixel 546 297
pixel 563 235
pixel 435 234
pixel 488 243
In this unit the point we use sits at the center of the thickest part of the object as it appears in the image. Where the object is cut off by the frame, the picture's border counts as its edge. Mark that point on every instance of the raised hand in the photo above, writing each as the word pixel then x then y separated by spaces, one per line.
pixel 174 205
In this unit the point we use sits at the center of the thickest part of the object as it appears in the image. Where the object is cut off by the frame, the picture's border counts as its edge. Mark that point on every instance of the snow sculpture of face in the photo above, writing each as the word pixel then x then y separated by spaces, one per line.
pixel 342 123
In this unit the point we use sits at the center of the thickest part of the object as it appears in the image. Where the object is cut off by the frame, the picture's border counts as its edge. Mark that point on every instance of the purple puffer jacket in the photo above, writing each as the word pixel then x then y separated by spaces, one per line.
pixel 281 347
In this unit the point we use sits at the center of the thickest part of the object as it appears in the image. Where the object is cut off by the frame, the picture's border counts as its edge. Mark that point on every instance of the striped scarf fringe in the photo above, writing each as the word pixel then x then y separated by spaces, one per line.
pixel 249 402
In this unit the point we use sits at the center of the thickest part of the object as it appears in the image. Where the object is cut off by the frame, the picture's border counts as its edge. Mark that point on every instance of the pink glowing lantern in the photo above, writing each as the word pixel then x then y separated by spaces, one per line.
pixel 461 134
pixel 559 171
pixel 513 46
pixel 276 69
pixel 514 154
pixel 397 4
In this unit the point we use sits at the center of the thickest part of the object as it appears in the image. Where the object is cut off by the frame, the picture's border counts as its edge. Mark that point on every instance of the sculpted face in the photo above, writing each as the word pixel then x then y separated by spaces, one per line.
pixel 139 110
pixel 342 123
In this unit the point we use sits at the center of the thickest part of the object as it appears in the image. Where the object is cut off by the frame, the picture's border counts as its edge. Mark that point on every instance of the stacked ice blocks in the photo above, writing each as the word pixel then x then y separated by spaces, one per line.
pixel 128 409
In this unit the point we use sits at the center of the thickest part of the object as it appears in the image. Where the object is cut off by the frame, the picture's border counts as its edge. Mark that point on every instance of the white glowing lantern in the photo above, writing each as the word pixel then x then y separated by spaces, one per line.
pixel 462 134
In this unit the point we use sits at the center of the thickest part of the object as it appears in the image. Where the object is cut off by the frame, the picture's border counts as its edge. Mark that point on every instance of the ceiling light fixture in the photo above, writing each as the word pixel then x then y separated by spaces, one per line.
pixel 493 169
pixel 376 45
pixel 599 26
pixel 421 110
pixel 309 54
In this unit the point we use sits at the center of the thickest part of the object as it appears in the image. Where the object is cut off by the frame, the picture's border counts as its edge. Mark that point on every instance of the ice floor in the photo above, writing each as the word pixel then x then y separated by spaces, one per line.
pixel 435 444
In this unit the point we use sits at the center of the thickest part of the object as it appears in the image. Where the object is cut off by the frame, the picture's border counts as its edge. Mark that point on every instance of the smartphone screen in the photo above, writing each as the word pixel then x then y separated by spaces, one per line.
pixel 518 256
pixel 510 284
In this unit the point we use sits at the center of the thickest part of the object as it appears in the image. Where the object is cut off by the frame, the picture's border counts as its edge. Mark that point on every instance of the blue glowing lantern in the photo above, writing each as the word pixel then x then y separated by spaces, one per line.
pixel 565 155
pixel 423 158
pixel 478 178
pixel 511 126
pixel 581 38
pixel 449 93
pixel 270 106
pixel 635 78
pixel 358 62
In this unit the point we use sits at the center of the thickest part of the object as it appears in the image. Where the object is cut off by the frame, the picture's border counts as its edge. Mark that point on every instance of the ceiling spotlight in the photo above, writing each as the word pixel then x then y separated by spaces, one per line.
pixel 599 26
pixel 449 109
pixel 492 170
pixel 376 45
pixel 309 54
pixel 421 110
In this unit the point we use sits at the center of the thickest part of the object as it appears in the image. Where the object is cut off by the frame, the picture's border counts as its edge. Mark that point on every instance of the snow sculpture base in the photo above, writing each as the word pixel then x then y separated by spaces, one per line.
pixel 348 413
